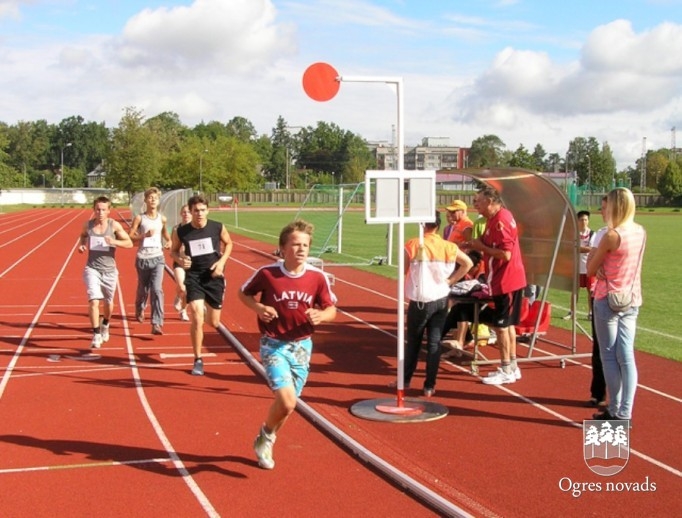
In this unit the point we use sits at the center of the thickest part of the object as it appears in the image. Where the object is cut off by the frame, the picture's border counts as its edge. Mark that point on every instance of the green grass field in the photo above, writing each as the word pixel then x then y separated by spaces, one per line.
pixel 660 319
pixel 659 323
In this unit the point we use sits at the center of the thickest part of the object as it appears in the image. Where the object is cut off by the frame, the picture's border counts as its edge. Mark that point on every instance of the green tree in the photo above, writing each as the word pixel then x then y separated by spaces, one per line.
pixel 656 164
pixel 358 159
pixel 242 129
pixel 133 160
pixel 487 151
pixel 670 183
pixel 235 166
pixel 522 158
pixel 540 161
pixel 553 163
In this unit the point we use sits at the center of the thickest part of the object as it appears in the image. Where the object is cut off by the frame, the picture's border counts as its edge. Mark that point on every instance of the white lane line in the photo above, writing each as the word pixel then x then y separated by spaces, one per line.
pixel 35 249
pixel 158 429
pixel 34 322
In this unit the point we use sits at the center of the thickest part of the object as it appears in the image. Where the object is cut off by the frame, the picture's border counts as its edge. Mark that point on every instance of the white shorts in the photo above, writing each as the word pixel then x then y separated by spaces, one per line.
pixel 100 285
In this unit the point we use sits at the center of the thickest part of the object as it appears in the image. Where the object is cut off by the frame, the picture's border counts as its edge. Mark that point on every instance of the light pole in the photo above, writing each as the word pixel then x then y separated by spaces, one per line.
pixel 61 170
pixel 287 154
pixel 201 171
pixel 589 180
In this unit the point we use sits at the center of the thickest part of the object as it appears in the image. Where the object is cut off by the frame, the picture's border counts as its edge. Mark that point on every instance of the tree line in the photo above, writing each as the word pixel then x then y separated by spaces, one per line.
pixel 218 157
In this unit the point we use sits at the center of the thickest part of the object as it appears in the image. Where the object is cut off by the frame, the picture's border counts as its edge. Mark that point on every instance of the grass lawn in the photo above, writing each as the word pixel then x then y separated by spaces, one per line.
pixel 659 326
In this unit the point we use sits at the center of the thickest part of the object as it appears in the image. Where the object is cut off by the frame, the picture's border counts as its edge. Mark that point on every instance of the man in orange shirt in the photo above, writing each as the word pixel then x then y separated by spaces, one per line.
pixel 461 225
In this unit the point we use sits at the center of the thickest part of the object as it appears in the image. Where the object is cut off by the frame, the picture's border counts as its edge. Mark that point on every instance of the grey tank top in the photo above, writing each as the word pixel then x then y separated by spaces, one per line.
pixel 100 255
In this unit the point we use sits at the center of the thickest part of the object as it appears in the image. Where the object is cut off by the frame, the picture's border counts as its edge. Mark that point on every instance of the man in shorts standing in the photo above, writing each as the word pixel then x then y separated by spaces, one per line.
pixel 100 236
pixel 207 247
pixel 506 277
pixel 294 298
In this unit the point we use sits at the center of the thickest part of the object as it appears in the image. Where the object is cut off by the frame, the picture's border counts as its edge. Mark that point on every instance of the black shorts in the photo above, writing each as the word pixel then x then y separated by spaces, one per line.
pixel 201 286
pixel 505 310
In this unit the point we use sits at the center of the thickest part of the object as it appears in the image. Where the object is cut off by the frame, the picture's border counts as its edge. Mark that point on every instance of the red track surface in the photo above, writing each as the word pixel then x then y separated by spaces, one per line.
pixel 132 433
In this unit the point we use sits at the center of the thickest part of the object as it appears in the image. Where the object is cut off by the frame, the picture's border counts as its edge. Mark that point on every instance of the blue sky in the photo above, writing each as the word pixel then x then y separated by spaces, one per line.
pixel 529 71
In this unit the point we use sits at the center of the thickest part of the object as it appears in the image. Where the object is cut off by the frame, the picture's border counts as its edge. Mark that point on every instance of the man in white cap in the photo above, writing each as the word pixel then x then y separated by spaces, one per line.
pixel 461 226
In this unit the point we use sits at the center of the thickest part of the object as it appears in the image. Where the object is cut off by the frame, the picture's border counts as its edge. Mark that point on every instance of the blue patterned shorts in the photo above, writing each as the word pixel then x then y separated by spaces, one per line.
pixel 286 363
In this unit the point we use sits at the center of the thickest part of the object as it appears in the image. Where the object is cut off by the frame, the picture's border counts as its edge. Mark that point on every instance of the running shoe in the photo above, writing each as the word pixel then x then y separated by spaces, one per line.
pixel 263 448
pixel 104 329
pixel 500 378
pixel 516 372
pixel 177 304
pixel 156 329
pixel 96 341
pixel 429 392
pixel 184 316
pixel 198 369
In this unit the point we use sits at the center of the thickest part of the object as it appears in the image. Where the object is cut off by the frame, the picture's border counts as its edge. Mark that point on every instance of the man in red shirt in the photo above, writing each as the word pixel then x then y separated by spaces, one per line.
pixel 506 277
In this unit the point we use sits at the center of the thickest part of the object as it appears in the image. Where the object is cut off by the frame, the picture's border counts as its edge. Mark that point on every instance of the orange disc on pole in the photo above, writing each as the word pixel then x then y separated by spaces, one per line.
pixel 321 81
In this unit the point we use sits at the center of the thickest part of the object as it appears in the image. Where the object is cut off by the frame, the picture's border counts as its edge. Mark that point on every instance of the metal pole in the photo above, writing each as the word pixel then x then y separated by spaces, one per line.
pixel 398 82
pixel 286 176
pixel 589 180
pixel 287 153
pixel 201 171
pixel 61 170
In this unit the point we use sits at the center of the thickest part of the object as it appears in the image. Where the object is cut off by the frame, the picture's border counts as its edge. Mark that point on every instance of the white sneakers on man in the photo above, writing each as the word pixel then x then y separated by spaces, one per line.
pixel 500 377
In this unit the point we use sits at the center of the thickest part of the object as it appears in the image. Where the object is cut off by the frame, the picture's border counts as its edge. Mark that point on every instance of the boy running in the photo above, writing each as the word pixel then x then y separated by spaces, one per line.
pixel 294 298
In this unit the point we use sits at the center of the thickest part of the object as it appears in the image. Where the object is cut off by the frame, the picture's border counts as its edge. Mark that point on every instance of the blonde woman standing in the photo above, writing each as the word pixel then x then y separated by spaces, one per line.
pixel 617 265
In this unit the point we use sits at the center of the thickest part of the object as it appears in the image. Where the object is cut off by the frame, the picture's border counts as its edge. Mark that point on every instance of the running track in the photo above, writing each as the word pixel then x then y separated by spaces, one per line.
pixel 132 433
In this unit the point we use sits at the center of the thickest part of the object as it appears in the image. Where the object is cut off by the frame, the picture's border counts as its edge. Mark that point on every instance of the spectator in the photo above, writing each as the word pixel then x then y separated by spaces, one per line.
pixel 461 225
pixel 617 264
pixel 431 268
pixel 506 277
pixel 585 235
pixel 598 384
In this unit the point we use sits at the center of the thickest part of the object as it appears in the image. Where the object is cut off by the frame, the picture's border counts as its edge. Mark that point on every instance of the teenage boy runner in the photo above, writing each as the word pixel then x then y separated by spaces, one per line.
pixel 100 237
pixel 294 298
pixel 152 237
pixel 207 247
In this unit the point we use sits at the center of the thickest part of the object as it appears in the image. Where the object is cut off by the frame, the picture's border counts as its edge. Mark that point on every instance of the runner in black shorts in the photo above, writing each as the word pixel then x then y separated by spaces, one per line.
pixel 207 246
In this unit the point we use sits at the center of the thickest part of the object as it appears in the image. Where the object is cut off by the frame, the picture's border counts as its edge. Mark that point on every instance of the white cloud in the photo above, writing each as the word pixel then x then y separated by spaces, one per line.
pixel 217 59
pixel 11 9
pixel 237 37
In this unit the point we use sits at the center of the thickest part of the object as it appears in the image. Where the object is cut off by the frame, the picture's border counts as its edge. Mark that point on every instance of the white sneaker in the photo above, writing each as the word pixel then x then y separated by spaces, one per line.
pixel 105 332
pixel 499 377
pixel 568 316
pixel 177 304
pixel 96 341
pixel 516 372
pixel 263 448
pixel 184 316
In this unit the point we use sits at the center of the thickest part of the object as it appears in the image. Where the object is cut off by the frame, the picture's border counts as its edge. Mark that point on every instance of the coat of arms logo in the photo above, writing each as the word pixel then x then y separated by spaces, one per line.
pixel 606 446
